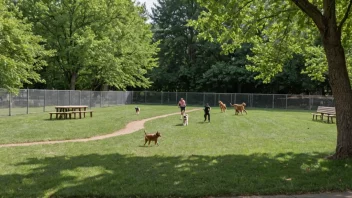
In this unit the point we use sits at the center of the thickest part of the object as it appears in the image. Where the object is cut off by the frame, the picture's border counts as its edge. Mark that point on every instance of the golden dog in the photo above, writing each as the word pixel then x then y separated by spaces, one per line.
pixel 239 108
pixel 222 106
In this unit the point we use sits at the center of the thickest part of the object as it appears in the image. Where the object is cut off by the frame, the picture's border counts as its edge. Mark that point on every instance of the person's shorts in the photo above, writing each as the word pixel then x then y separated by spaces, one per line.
pixel 183 108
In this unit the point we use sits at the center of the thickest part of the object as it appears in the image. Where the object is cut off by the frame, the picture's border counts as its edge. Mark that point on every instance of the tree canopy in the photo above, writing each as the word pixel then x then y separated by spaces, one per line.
pixel 21 52
pixel 278 29
pixel 97 42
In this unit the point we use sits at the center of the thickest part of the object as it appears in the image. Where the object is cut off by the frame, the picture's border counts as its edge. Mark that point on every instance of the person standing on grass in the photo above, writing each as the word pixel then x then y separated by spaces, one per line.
pixel 207 109
pixel 182 106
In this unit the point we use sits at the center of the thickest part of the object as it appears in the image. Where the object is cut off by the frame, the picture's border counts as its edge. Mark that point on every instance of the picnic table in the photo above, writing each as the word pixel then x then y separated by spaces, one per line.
pixel 67 111
pixel 330 113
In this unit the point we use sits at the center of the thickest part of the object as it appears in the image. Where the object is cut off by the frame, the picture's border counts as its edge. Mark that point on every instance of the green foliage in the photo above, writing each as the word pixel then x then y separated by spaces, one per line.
pixel 21 53
pixel 278 29
pixel 187 62
pixel 98 42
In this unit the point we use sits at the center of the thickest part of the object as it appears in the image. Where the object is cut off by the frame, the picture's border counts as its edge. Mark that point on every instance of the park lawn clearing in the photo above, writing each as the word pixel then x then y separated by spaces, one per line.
pixel 38 127
pixel 264 152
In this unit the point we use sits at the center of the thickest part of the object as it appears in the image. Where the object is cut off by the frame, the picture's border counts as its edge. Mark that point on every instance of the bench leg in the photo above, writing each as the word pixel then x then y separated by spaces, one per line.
pixel 91 114
pixel 51 116
pixel 84 114
pixel 80 115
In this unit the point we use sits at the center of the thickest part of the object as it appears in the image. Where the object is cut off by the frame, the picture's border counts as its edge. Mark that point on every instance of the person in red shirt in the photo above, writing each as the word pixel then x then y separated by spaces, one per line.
pixel 182 106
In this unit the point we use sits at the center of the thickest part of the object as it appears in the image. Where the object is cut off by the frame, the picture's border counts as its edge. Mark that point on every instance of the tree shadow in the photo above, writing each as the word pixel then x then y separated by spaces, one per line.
pixel 116 175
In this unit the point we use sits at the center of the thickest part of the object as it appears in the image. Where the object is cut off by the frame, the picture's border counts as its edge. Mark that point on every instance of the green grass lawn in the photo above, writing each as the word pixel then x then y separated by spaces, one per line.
pixel 264 152
pixel 38 126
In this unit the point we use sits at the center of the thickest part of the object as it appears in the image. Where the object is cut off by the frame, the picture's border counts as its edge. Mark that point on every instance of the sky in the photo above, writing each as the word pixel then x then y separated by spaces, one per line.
pixel 149 4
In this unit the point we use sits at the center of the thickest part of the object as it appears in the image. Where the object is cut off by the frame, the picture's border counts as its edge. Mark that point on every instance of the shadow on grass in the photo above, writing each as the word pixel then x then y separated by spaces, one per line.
pixel 115 175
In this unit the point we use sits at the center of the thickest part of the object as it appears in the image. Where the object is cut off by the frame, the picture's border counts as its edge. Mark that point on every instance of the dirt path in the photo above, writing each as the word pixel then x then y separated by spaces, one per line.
pixel 130 128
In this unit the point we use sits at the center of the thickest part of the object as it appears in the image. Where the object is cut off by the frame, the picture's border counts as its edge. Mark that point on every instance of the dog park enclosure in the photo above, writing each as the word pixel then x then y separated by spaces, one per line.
pixel 35 100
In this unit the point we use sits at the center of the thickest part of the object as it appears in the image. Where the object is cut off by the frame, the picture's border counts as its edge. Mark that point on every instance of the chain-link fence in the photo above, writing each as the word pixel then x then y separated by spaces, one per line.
pixel 34 100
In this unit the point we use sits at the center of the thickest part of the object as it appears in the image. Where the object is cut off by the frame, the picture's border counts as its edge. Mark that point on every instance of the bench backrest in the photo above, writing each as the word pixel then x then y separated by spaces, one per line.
pixel 327 110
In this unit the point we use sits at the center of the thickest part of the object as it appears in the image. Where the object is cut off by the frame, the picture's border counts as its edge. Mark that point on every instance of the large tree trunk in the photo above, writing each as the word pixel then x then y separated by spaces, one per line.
pixel 73 81
pixel 341 89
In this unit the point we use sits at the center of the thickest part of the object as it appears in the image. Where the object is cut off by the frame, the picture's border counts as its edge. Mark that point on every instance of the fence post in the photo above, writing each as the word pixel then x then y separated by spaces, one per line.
pixel 27 100
pixel 273 101
pixel 90 99
pixel 10 101
pixel 57 97
pixel 69 97
pixel 145 97
pixel 101 98
pixel 186 98
pixel 252 100
pixel 176 97
pixel 310 102
pixel 117 97
pixel 161 97
pixel 235 98
pixel 125 96
pixel 44 100
pixel 286 101
pixel 214 99
pixel 203 98
pixel 80 95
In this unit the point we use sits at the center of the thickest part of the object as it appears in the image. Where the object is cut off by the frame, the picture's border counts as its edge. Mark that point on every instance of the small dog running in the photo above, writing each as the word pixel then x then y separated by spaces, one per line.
pixel 185 119
pixel 137 110
pixel 151 137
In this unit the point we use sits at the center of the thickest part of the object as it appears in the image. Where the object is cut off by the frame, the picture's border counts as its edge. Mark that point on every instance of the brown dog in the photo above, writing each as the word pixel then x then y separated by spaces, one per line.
pixel 239 108
pixel 151 137
pixel 222 106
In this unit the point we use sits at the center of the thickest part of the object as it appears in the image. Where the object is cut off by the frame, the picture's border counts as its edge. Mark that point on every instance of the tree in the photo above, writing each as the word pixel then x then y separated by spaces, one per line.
pixel 21 52
pixel 97 42
pixel 187 63
pixel 178 44
pixel 278 29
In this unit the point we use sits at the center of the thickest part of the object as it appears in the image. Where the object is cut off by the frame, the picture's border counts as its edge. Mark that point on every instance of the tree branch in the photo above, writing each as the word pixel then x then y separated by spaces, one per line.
pixel 312 11
pixel 345 17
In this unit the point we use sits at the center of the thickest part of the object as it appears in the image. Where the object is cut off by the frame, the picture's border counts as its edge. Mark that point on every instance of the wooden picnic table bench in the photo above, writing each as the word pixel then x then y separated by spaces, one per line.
pixel 330 113
pixel 82 112
pixel 60 115
pixel 66 111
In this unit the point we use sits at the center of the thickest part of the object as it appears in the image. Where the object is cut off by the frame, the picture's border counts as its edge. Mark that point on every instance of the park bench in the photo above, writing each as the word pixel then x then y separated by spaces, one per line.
pixel 60 115
pixel 82 112
pixel 328 111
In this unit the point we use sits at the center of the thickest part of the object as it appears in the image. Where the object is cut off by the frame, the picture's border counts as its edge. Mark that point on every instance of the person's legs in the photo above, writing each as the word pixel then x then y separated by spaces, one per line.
pixel 209 117
pixel 205 117
pixel 183 110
